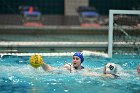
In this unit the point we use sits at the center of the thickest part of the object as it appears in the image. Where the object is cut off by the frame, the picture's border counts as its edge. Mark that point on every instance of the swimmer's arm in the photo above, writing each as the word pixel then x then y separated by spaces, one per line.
pixel 90 73
pixel 107 75
pixel 46 67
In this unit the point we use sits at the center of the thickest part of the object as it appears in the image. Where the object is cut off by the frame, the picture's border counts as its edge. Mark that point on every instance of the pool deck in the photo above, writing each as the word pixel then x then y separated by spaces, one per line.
pixel 56 29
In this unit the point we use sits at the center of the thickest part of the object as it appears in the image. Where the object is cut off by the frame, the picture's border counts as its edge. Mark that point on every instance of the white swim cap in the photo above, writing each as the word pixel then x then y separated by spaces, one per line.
pixel 110 68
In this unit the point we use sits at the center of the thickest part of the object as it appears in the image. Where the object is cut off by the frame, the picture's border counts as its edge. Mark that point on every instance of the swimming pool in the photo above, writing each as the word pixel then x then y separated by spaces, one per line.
pixel 17 76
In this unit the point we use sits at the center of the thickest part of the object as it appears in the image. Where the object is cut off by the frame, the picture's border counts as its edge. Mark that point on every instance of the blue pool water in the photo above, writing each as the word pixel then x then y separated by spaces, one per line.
pixel 17 76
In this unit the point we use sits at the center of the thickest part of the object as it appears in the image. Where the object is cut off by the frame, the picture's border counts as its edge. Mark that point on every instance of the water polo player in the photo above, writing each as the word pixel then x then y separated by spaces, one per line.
pixel 76 63
pixel 110 70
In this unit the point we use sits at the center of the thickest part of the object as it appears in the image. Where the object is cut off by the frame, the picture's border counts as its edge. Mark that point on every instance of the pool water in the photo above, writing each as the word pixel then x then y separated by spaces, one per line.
pixel 17 76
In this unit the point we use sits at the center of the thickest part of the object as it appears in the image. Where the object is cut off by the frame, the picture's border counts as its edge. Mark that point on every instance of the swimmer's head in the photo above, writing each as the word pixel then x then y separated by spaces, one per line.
pixel 138 69
pixel 110 68
pixel 80 55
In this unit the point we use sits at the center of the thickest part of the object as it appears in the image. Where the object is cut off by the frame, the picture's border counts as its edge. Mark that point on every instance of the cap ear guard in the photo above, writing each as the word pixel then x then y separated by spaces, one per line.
pixel 111 67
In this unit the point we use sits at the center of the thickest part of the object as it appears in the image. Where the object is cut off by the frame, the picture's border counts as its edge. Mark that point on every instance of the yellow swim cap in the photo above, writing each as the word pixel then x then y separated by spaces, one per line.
pixel 36 61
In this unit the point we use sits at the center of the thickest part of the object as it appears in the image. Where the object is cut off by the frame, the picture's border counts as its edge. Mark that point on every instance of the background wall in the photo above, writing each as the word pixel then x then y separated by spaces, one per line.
pixel 57 6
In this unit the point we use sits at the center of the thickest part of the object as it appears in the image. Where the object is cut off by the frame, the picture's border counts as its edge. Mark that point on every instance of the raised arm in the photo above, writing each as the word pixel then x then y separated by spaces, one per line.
pixel 46 67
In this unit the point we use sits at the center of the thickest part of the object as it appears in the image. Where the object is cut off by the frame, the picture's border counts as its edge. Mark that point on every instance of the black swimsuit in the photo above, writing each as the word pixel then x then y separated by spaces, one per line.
pixel 77 68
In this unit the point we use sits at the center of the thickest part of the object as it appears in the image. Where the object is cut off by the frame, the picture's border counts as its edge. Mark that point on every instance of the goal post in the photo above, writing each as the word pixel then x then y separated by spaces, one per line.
pixel 111 25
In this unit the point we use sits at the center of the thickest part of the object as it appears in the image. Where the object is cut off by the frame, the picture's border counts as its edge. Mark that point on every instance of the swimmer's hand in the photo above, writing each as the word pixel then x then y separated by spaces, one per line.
pixel 67 66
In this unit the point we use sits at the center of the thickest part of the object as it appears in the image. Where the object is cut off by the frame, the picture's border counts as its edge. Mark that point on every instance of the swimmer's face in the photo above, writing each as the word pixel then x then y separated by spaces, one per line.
pixel 76 61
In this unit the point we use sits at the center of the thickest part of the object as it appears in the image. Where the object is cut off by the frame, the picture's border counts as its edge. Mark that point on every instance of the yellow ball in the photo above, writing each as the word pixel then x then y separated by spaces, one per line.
pixel 36 61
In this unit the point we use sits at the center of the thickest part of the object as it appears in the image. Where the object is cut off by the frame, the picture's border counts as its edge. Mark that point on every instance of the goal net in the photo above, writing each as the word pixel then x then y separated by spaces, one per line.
pixel 124 32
